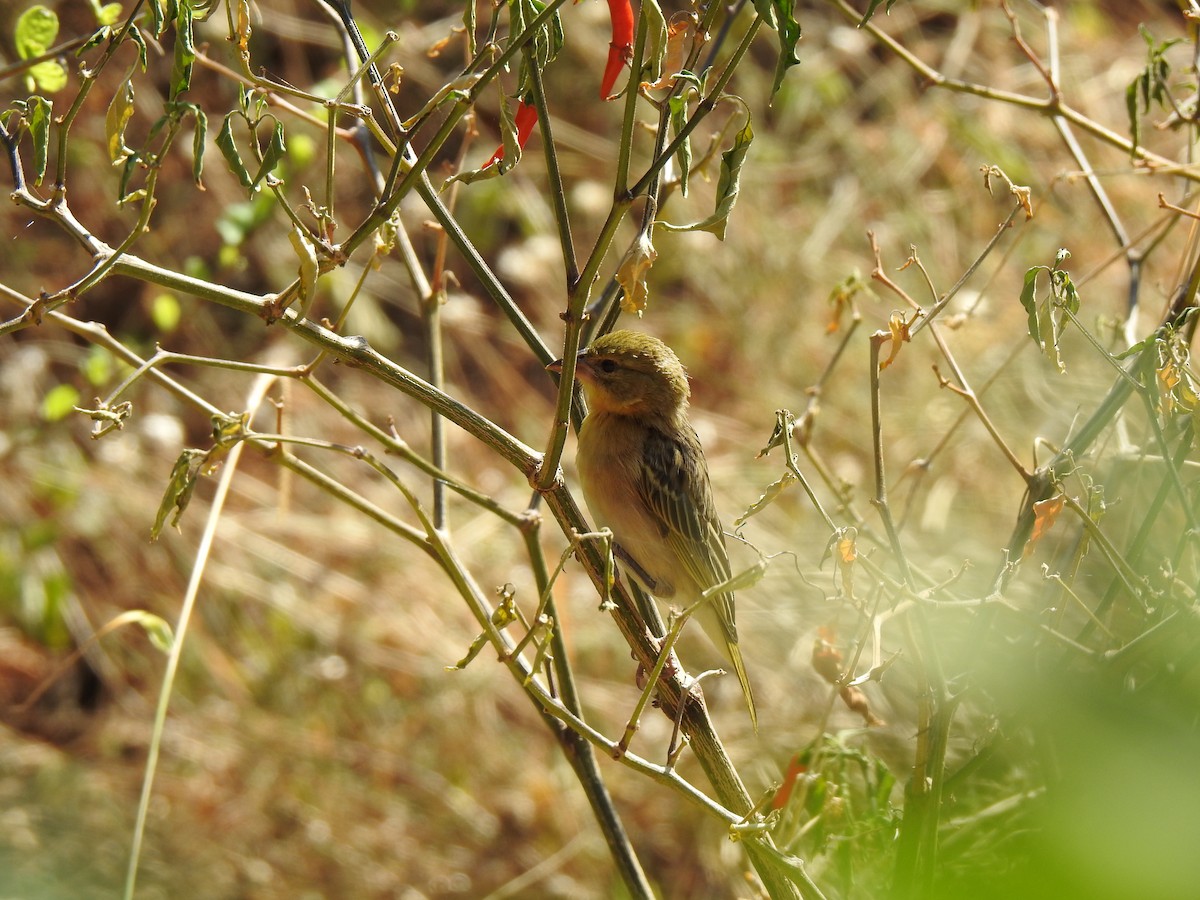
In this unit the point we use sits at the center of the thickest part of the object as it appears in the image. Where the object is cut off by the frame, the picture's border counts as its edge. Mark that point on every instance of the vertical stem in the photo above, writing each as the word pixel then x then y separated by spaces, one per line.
pixel 578 751
pixel 558 195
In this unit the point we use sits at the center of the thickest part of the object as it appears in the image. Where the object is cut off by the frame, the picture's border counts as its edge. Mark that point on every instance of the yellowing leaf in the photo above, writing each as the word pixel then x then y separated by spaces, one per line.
pixel 119 113
pixel 309 268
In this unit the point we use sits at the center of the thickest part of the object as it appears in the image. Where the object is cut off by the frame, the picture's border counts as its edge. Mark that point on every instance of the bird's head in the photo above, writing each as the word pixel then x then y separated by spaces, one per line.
pixel 630 373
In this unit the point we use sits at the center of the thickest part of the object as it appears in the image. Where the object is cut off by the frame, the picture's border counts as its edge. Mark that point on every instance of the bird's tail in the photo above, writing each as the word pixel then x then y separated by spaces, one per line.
pixel 739 669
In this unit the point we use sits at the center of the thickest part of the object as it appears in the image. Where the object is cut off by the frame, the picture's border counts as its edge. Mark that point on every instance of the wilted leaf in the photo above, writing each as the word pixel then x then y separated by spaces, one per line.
pixel 743 580
pixel 276 150
pixel 199 137
pixel 670 64
pixel 727 186
pixel 841 299
pixel 772 493
pixel 781 16
pixel 1045 513
pixel 179 489
pixel 503 616
pixel 228 148
pixel 657 42
pixel 901 333
pixel 631 274
pixel 845 555
pixel 185 51
pixel 309 268
pixel 1149 86
pixel 683 156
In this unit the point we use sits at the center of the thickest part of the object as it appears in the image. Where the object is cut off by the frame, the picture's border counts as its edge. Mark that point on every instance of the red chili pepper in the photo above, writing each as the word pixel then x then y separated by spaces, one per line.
pixel 525 119
pixel 620 51
pixel 795 769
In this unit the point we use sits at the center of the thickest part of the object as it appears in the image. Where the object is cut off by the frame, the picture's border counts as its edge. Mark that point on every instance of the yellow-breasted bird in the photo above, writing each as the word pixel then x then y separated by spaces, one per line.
pixel 645 478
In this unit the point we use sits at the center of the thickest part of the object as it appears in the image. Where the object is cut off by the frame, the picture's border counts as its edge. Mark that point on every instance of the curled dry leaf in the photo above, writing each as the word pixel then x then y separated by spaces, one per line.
pixel 631 274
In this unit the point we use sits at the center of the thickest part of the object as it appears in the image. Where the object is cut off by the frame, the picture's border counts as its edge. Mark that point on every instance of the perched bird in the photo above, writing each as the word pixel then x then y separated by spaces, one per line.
pixel 645 478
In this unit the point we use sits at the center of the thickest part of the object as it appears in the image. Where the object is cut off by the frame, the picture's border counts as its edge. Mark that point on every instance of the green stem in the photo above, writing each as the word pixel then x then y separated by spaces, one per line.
pixel 579 753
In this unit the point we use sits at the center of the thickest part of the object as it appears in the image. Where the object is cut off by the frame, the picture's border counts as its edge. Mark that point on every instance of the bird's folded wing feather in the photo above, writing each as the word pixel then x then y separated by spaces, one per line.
pixel 674 485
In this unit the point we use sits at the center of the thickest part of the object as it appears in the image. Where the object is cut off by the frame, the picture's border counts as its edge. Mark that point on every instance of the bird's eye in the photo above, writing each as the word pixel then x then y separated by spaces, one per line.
pixel 608 366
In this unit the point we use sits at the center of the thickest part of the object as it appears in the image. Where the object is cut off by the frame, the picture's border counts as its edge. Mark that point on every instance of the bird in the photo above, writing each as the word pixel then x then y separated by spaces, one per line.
pixel 644 477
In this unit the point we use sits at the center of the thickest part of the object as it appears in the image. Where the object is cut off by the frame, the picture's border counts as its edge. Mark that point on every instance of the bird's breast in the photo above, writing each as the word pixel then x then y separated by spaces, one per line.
pixel 609 460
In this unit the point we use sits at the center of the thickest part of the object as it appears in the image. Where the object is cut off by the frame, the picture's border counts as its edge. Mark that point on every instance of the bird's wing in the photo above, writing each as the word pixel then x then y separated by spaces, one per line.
pixel 674 485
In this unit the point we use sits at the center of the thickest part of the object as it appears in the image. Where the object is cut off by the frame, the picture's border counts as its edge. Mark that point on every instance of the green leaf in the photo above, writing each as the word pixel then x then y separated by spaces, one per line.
pixel 109 14
pixel 160 15
pixel 1150 85
pixel 97 366
pixel 130 169
pixel 1049 330
pixel 165 312
pixel 781 16
pixel 157 630
pixel 35 32
pixel 1029 301
pixel 656 43
pixel 276 149
pixel 99 36
pixel 545 45
pixel 871 7
pixel 199 138
pixel 176 112
pixel 185 51
pixel 727 186
pixel 38 114
pixel 59 402
pixel 228 148
pixel 119 113
pixel 1133 110
pixel 48 76
pixel 470 22
pixel 139 39
pixel 683 156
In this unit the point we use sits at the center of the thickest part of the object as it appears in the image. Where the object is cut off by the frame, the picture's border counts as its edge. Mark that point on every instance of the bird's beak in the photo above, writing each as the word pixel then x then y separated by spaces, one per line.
pixel 555 367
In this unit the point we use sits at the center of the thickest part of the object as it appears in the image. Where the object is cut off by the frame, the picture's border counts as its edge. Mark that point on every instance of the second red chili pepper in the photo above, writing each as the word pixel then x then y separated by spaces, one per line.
pixel 620 51
pixel 526 117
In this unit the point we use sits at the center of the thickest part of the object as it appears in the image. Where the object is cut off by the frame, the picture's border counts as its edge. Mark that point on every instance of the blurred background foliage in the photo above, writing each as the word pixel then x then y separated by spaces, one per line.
pixel 317 745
